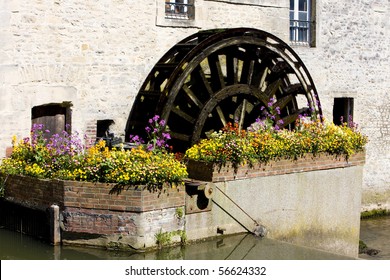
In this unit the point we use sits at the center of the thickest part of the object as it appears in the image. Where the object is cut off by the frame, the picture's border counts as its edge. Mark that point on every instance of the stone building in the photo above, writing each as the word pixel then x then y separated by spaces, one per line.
pixel 82 63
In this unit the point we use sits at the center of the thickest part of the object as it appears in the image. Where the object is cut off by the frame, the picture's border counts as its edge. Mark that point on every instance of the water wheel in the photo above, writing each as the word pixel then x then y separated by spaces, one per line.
pixel 226 75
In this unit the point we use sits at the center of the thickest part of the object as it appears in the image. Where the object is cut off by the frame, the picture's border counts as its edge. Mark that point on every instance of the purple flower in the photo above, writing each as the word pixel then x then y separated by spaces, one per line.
pixel 162 122
pixel 271 102
pixel 160 142
pixel 166 135
pixel 149 147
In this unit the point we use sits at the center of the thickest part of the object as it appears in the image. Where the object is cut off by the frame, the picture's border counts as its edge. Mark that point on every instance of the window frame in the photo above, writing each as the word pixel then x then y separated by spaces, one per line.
pixel 180 9
pixel 297 24
pixel 187 18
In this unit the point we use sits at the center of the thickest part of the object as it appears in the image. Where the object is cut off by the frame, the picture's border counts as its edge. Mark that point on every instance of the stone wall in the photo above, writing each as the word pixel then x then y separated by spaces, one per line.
pixel 351 59
pixel 96 55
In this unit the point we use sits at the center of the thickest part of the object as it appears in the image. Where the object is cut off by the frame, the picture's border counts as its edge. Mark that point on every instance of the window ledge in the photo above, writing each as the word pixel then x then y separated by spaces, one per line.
pixel 300 44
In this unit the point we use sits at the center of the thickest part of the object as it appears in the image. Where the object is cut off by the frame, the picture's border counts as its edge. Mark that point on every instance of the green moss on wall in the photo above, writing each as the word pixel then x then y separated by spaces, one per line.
pixel 374 213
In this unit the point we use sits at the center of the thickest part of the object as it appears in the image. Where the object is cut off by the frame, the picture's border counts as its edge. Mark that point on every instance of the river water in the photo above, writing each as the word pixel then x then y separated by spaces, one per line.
pixel 374 232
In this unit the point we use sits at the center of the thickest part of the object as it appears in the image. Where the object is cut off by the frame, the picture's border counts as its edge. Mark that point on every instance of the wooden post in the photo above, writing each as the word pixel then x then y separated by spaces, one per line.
pixel 55 230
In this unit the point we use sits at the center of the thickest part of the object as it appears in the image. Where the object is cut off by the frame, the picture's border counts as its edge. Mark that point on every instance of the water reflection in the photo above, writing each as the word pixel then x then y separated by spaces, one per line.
pixel 374 232
pixel 14 246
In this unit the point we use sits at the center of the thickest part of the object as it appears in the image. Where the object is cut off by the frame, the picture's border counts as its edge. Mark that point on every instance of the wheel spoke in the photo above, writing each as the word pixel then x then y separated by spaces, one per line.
pixel 217 78
pixel 203 80
pixel 192 96
pixel 221 115
pixel 292 117
pixel 231 70
pixel 180 136
pixel 183 115
pixel 272 88
pixel 242 114
pixel 282 102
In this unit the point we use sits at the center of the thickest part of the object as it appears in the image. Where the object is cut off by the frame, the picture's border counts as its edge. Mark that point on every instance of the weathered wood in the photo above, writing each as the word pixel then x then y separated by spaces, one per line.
pixel 214 76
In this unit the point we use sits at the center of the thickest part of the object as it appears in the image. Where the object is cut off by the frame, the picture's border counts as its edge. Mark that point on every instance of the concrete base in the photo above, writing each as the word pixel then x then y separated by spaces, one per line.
pixel 319 209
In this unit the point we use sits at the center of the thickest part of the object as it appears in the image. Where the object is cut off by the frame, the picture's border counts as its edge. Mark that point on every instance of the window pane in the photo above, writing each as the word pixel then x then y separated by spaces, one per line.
pixel 291 15
pixel 292 4
pixel 302 5
pixel 179 9
pixel 303 16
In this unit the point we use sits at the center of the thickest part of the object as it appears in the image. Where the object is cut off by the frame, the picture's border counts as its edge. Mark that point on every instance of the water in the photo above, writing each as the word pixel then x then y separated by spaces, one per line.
pixel 375 233
pixel 14 246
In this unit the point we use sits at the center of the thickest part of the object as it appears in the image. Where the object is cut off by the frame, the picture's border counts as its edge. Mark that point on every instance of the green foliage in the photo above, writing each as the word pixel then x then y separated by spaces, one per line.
pixel 179 212
pixel 263 142
pixel 165 238
pixel 375 213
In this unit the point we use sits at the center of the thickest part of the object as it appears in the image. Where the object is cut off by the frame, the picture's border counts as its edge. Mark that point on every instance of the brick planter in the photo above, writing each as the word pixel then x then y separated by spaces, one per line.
pixel 100 214
pixel 205 171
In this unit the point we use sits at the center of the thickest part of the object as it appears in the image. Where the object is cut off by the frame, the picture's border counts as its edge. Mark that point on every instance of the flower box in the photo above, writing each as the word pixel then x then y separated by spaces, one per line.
pixel 212 172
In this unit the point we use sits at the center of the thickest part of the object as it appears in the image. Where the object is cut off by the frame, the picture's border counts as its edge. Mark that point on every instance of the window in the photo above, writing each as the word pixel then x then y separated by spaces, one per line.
pixel 179 9
pixel 302 13
pixel 342 110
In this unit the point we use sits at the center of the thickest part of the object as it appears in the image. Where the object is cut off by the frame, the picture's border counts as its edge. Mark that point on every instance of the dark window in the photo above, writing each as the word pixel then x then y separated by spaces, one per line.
pixel 103 129
pixel 342 110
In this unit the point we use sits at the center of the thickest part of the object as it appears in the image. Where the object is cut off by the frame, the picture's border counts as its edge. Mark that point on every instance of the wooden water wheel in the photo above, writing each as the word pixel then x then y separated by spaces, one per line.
pixel 226 75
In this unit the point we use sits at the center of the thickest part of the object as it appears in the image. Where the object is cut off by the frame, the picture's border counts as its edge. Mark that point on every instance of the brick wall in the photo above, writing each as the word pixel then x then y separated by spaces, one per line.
pixel 214 173
pixel 102 209
pixel 34 193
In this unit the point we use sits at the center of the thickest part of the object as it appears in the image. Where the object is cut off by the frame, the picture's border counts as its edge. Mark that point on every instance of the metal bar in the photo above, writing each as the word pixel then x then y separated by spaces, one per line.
pixel 257 224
